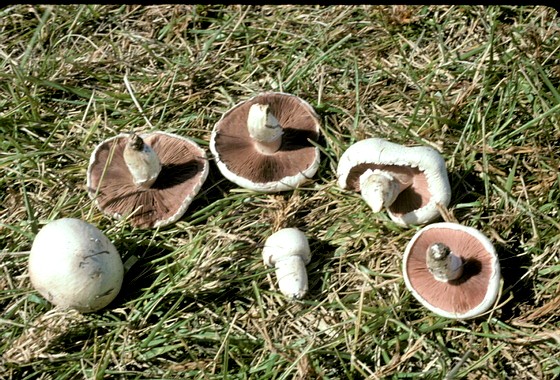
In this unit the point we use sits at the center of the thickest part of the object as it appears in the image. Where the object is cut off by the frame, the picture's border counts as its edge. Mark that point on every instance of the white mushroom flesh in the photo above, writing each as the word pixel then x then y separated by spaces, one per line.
pixel 380 188
pixel 442 263
pixel 292 277
pixel 142 161
pixel 264 128
pixel 288 251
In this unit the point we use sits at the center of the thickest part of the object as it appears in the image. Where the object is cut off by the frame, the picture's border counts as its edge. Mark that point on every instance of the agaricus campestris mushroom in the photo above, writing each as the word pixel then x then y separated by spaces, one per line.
pixel 263 144
pixel 453 270
pixel 150 178
pixel 408 181
pixel 74 265
pixel 288 251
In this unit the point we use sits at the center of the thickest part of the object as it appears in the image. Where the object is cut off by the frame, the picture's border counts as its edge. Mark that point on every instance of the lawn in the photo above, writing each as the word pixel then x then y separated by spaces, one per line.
pixel 479 84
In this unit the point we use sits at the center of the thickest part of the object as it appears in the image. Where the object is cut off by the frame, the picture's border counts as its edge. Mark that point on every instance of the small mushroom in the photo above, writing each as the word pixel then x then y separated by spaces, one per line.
pixel 408 181
pixel 74 265
pixel 151 178
pixel 451 269
pixel 264 143
pixel 288 251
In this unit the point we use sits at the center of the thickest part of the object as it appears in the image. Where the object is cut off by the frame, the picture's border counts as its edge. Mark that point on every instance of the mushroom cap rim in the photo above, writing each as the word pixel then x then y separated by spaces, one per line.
pixel 187 200
pixel 493 282
pixel 283 184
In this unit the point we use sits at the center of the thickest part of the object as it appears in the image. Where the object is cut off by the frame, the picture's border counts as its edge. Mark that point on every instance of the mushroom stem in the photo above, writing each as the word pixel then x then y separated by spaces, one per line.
pixel 142 161
pixel 442 263
pixel 264 129
pixel 380 188
pixel 292 276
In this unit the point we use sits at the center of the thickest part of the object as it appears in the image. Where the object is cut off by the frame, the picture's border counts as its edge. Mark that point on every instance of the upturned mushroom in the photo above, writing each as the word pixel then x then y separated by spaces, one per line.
pixel 265 143
pixel 288 251
pixel 151 179
pixel 408 181
pixel 452 270
pixel 74 265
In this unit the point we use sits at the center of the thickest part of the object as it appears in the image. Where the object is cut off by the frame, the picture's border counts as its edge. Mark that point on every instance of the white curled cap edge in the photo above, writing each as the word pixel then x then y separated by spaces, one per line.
pixel 428 160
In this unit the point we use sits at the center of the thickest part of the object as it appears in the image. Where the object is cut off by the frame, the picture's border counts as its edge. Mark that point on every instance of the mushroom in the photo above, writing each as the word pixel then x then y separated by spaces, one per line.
pixel 409 182
pixel 150 178
pixel 74 265
pixel 288 251
pixel 453 270
pixel 265 143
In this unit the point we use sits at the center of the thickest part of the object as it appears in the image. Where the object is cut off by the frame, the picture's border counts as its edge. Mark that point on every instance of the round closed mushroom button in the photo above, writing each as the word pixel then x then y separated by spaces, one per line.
pixel 452 270
pixel 149 179
pixel 265 143
pixel 74 265
pixel 409 182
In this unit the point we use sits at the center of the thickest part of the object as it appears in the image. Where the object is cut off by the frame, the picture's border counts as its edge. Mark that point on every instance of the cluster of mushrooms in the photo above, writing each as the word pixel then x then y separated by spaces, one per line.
pixel 267 144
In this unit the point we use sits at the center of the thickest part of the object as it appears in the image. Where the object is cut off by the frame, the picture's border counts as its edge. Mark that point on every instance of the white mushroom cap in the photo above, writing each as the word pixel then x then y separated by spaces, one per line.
pixel 74 265
pixel 430 184
pixel 284 243
pixel 241 162
pixel 474 292
pixel 288 250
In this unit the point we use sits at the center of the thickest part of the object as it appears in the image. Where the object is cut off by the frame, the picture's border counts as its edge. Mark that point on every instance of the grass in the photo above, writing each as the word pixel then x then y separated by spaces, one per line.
pixel 480 84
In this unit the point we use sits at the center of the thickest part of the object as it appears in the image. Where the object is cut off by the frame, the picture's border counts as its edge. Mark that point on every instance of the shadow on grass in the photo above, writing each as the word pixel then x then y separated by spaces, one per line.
pixel 466 188
pixel 141 274
pixel 514 267
pixel 215 187
pixel 322 255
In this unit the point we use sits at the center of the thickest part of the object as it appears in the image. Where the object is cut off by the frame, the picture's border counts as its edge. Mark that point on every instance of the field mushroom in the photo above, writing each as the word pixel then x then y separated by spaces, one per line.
pixel 408 181
pixel 264 143
pixel 452 270
pixel 74 265
pixel 288 251
pixel 151 179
